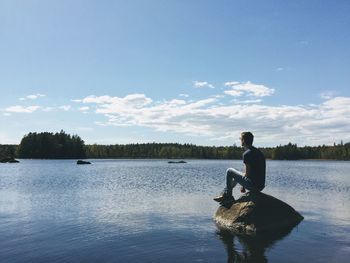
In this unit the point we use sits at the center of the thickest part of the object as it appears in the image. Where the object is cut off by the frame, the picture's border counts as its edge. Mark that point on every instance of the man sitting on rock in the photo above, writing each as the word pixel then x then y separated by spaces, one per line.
pixel 254 177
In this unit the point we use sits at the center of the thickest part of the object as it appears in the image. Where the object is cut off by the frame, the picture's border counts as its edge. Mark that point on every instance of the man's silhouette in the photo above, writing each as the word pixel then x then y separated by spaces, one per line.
pixel 254 177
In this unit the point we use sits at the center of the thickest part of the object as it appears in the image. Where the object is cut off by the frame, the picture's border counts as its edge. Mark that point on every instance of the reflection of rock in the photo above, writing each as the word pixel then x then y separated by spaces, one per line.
pixel 256 212
pixel 82 162
pixel 9 160
pixel 254 247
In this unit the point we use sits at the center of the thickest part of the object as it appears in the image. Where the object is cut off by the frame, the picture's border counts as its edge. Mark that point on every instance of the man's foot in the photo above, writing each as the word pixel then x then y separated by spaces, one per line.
pixel 219 198
pixel 223 197
pixel 228 201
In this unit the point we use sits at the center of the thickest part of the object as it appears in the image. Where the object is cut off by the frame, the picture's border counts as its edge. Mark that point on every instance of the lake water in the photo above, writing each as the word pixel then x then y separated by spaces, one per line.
pixel 152 211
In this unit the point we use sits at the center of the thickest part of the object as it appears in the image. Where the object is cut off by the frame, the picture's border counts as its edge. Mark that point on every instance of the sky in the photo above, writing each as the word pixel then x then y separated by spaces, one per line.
pixel 184 71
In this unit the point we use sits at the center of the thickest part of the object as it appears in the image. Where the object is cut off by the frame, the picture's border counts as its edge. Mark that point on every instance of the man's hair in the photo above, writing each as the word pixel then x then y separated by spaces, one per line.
pixel 248 137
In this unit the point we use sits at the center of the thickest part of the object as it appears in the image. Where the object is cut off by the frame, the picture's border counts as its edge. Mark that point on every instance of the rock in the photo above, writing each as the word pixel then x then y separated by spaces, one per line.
pixel 257 212
pixel 9 160
pixel 13 161
pixel 177 162
pixel 83 162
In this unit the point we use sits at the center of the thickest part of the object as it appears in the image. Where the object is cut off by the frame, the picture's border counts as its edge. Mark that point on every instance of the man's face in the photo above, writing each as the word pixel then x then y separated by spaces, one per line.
pixel 242 140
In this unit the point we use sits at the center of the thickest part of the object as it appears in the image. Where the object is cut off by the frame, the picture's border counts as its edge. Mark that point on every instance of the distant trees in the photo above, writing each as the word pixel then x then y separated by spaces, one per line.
pixel 7 151
pixel 293 152
pixel 183 151
pixel 162 150
pixel 286 152
pixel 46 145
pixel 61 145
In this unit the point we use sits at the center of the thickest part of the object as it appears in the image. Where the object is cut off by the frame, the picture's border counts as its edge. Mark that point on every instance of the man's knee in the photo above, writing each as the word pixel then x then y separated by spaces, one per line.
pixel 230 173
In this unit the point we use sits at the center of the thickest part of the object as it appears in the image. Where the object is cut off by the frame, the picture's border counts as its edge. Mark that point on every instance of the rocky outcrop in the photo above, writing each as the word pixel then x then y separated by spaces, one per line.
pixel 8 160
pixel 83 162
pixel 257 212
pixel 177 162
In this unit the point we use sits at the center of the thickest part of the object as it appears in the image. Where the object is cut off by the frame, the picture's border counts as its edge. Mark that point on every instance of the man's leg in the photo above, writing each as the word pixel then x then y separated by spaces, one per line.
pixel 231 182
pixel 226 195
pixel 232 178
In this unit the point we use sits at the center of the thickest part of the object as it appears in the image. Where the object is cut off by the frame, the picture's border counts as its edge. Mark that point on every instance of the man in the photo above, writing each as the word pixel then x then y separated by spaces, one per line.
pixel 254 177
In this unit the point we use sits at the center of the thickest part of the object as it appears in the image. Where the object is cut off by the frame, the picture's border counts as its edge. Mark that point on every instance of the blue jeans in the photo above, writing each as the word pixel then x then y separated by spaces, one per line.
pixel 233 177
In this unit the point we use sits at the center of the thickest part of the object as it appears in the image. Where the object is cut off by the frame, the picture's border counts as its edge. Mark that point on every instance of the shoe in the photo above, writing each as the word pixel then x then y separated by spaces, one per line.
pixel 223 197
pixel 219 198
pixel 228 201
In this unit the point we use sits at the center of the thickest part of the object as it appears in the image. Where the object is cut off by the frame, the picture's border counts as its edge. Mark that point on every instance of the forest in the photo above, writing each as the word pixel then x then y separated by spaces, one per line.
pixel 46 145
pixel 60 145
pixel 188 151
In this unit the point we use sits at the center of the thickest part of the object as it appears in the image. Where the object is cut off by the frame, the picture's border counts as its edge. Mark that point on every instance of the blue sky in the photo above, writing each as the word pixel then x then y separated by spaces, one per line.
pixel 176 71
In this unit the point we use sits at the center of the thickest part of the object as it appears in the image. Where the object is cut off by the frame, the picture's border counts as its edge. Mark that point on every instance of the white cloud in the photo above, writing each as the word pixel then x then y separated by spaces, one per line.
pixel 184 95
pixel 246 101
pixel 234 93
pixel 138 100
pixel 327 94
pixel 231 83
pixel 32 96
pixel 248 88
pixel 279 69
pixel 21 109
pixel 202 84
pixel 217 120
pixel 85 108
pixel 47 109
pixel 65 107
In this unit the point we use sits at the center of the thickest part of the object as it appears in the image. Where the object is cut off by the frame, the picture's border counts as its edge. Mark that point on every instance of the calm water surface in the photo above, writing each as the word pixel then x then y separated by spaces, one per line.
pixel 152 211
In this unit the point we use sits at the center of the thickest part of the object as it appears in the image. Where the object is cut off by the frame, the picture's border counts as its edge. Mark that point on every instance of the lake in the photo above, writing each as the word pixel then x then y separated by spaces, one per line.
pixel 152 211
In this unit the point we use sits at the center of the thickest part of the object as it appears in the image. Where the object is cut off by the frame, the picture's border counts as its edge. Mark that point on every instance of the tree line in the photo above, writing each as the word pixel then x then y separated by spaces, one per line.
pixel 162 150
pixel 47 145
pixel 188 151
pixel 60 145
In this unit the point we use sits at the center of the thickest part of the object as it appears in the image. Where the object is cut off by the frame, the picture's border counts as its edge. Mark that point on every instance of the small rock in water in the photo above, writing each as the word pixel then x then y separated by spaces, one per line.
pixel 177 161
pixel 83 162
pixel 9 160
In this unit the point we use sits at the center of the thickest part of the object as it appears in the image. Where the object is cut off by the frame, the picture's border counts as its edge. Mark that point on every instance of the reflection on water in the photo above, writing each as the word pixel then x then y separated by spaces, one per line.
pixel 253 247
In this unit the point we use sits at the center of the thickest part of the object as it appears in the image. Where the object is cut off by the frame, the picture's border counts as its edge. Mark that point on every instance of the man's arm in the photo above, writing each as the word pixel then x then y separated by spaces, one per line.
pixel 248 170
pixel 247 173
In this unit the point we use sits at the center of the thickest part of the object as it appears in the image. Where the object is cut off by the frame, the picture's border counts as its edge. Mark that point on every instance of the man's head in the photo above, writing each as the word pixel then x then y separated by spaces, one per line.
pixel 247 139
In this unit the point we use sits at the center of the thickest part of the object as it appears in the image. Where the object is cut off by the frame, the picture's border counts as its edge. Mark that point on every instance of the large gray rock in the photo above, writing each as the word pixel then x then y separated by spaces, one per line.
pixel 257 212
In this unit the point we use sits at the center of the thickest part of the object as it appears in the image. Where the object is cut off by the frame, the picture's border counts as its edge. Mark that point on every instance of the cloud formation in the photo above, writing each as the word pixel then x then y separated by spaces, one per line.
pixel 220 117
pixel 202 84
pixel 248 89
pixel 221 121
pixel 32 97
pixel 327 94
pixel 22 109
pixel 85 108
pixel 34 108
pixel 65 107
